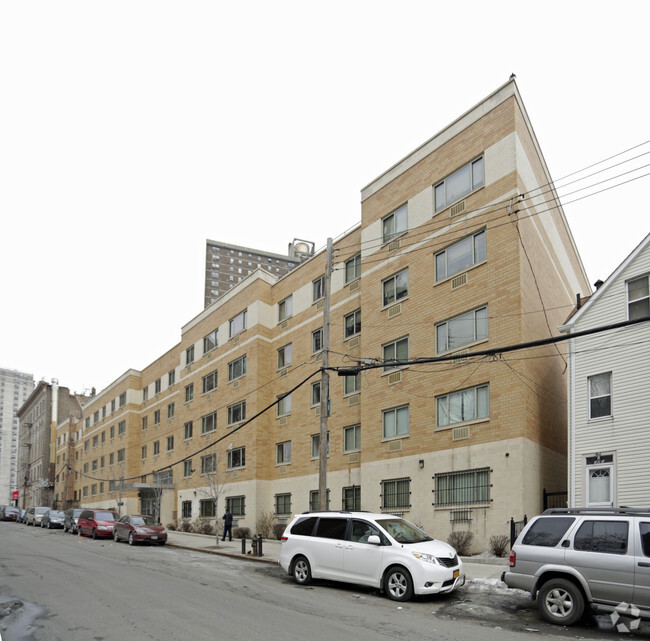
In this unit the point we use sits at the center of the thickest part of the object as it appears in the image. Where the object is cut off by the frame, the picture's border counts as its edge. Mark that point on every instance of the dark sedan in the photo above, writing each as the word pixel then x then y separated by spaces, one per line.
pixel 53 518
pixel 138 528
pixel 9 513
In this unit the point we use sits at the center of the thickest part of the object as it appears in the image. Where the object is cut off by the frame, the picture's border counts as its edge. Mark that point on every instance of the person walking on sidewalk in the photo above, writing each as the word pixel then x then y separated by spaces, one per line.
pixel 227 526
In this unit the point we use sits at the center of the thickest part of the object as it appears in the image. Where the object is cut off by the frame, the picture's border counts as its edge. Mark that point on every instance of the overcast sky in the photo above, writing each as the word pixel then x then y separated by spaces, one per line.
pixel 132 131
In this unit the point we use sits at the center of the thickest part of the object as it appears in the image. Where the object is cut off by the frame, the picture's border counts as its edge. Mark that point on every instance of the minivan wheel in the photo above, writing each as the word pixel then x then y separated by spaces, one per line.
pixel 301 571
pixel 398 584
pixel 561 602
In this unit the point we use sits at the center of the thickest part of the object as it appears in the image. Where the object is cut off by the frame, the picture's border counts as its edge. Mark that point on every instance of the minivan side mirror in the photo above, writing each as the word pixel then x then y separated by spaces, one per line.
pixel 373 539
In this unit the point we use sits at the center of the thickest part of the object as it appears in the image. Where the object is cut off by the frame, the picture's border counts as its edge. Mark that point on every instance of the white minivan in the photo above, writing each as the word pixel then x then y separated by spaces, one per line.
pixel 377 550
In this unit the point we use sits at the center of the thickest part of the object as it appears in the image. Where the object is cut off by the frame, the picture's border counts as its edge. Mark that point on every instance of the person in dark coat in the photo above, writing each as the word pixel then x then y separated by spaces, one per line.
pixel 227 526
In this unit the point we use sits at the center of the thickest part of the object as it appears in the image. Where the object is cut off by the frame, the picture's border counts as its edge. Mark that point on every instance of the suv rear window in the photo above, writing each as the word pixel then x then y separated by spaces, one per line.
pixel 602 536
pixel 548 531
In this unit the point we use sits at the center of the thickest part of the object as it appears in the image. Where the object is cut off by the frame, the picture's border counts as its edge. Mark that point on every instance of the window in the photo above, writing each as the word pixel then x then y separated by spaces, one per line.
pixel 237 413
pixel 638 298
pixel 237 368
pixel 143 451
pixel 396 422
pixel 93 489
pixel 236 458
pixel 209 423
pixel 609 537
pixel 600 479
pixel 548 532
pixel 396 354
pixel 170 443
pixel 96 417
pixel 315 393
pixel 315 445
pixel 113 405
pixel 171 410
pixel 121 455
pixel 352 498
pixel 284 405
pixel 238 324
pixel 145 421
pixel 187 468
pixel 112 432
pixel 122 399
pixel 156 418
pixel 464 487
pixel 353 268
pixel 156 448
pixel 352 438
pixel 459 184
pixel 209 464
pixel 111 458
pixel 461 330
pixel 317 341
pixel 396 287
pixel 145 394
pixel 284 356
pixel 460 256
pixel 464 405
pixel 210 341
pixel 95 440
pixel 189 392
pixel 171 377
pixel 352 324
pixel 600 395
pixel 157 385
pixel 283 503
pixel 189 355
pixel 206 508
pixel 94 465
pixel 236 505
pixel 101 463
pixel 85 468
pixel 121 427
pixel 395 494
pixel 186 507
pixel 285 309
pixel 318 288
pixel 188 429
pixel 314 502
pixel 283 453
pixel 352 384
pixel 210 382
pixel 394 224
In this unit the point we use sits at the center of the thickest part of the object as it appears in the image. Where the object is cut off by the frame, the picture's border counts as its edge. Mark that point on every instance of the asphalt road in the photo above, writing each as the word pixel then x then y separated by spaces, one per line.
pixel 77 589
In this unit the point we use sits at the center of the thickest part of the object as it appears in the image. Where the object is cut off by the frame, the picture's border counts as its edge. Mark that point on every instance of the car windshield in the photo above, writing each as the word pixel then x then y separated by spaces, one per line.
pixel 403 531
pixel 41 510
pixel 143 520
pixel 104 516
pixel 56 513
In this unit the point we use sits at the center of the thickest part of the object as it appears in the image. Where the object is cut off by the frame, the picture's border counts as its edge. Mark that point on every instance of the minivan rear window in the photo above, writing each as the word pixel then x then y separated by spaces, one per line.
pixel 304 527
pixel 548 531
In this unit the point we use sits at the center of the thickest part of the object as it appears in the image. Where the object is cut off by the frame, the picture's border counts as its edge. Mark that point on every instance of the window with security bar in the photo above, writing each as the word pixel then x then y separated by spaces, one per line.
pixel 395 494
pixel 463 488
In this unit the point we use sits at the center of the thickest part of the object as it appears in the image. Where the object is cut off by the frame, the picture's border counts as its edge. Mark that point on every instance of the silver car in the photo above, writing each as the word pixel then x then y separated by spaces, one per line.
pixel 572 558
pixel 34 515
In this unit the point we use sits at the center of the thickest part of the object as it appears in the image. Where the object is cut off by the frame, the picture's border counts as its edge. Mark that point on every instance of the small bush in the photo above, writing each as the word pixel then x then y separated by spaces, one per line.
pixel 238 532
pixel 171 526
pixel 461 540
pixel 499 544
pixel 206 528
pixel 186 526
pixel 264 524
pixel 278 530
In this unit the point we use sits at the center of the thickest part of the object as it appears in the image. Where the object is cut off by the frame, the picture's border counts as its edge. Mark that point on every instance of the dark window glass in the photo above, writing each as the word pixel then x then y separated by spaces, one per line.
pixel 331 528
pixel 548 532
pixel 602 536
pixel 305 527
pixel 645 538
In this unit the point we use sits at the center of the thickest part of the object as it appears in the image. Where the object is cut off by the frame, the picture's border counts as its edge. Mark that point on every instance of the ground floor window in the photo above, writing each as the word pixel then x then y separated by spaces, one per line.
pixel 187 509
pixel 395 494
pixel 463 487
pixel 206 507
pixel 283 503
pixel 236 505
pixel 352 498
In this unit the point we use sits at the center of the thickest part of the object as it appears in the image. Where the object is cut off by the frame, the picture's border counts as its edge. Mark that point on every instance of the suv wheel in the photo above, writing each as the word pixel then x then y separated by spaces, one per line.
pixel 398 584
pixel 561 602
pixel 301 571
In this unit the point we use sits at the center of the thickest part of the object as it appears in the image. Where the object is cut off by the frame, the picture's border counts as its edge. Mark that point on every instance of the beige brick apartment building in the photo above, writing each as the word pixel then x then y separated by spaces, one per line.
pixel 462 246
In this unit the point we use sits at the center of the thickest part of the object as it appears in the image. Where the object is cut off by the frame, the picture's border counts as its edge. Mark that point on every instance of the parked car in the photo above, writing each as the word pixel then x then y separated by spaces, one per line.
pixel 138 528
pixel 33 515
pixel 575 557
pixel 377 550
pixel 52 519
pixel 71 519
pixel 9 513
pixel 97 523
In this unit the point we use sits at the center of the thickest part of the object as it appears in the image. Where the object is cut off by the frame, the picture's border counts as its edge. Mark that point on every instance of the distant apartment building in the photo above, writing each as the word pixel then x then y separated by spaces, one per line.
pixel 462 247
pixel 15 387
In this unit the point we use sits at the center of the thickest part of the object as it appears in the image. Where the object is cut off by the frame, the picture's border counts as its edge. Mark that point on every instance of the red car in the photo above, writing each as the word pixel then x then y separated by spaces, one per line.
pixel 97 523
pixel 137 528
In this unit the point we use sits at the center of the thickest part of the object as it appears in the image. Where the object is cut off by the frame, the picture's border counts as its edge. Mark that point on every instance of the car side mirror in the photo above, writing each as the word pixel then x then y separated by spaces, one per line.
pixel 373 539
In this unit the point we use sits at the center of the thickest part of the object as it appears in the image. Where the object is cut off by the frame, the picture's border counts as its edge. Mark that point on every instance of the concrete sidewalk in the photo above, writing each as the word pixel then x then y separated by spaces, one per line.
pixel 475 567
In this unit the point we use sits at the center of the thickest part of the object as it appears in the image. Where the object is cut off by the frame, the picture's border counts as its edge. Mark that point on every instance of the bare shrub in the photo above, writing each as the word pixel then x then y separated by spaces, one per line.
pixel 239 532
pixel 207 528
pixel 461 540
pixel 264 524
pixel 278 530
pixel 185 526
pixel 171 526
pixel 499 544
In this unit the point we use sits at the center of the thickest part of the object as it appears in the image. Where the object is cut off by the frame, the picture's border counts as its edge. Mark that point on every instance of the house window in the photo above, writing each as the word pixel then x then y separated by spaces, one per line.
pixel 352 324
pixel 396 494
pixel 145 394
pixel 122 399
pixel 461 330
pixel 96 417
pixel 113 405
pixel 352 498
pixel 170 443
pixel 396 422
pixel 394 224
pixel 94 465
pixel 189 355
pixel 210 382
pixel 206 508
pixel 459 184
pixel 353 268
pixel 186 508
pixel 284 405
pixel 236 458
pixel 209 423
pixel 464 405
pixel 285 309
pixel 104 411
pixel 93 489
pixel 638 298
pixel 188 430
pixel 209 464
pixel 187 468
pixel 315 393
pixel 396 287
pixel 121 427
pixel 315 445
pixel 121 455
pixel 236 505
pixel 238 324
pixel 171 377
pixel 283 453
pixel 317 341
pixel 463 488
pixel 156 448
pixel 157 385
pixel 396 354
pixel 95 440
pixel 283 503
pixel 352 384
pixel 210 341
pixel 145 421
pixel 460 256
pixel 156 419
pixel 87 422
pixel 284 356
pixel 171 410
pixel 352 438
pixel 112 432
pixel 318 288
pixel 600 395
pixel 111 458
pixel 237 413
pixel 314 502
pixel 189 392
pixel 600 480
pixel 237 368
pixel 143 452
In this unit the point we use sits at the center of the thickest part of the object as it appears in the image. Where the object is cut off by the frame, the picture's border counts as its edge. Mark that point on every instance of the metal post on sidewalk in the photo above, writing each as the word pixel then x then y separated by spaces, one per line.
pixel 243 544
pixel 259 545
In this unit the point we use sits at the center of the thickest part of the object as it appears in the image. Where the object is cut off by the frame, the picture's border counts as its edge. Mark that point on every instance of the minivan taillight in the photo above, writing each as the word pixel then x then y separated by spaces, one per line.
pixel 284 538
pixel 513 558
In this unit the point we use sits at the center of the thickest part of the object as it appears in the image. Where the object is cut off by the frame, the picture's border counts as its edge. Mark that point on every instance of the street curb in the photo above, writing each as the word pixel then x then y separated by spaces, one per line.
pixel 232 555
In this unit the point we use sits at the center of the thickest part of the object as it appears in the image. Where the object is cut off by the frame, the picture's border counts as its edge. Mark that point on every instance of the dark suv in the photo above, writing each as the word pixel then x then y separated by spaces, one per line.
pixel 97 523
pixel 573 557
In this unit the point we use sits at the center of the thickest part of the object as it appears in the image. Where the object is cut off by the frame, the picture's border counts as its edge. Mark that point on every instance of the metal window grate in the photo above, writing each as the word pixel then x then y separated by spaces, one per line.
pixel 463 487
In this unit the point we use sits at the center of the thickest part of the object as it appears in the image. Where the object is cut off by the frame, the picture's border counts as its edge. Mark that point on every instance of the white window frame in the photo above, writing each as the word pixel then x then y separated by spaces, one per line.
pixel 476 319
pixel 353 269
pixel 209 382
pixel 209 464
pixel 241 458
pixel 238 324
pixel 285 356
pixel 283 453
pixel 209 423
pixel 238 363
pixel 392 281
pixel 315 445
pixel 475 254
pixel 285 309
pixel 317 341
pixel 355 430
pixel 589 472
pixel 315 394
pixel 639 306
pixel 318 289
pixel 355 325
pixel 352 384
pixel 390 422
pixel 395 224
pixel 236 409
pixel 459 394
pixel 211 341
pixel 284 405
pixel 390 351
pixel 593 396
pixel 476 181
